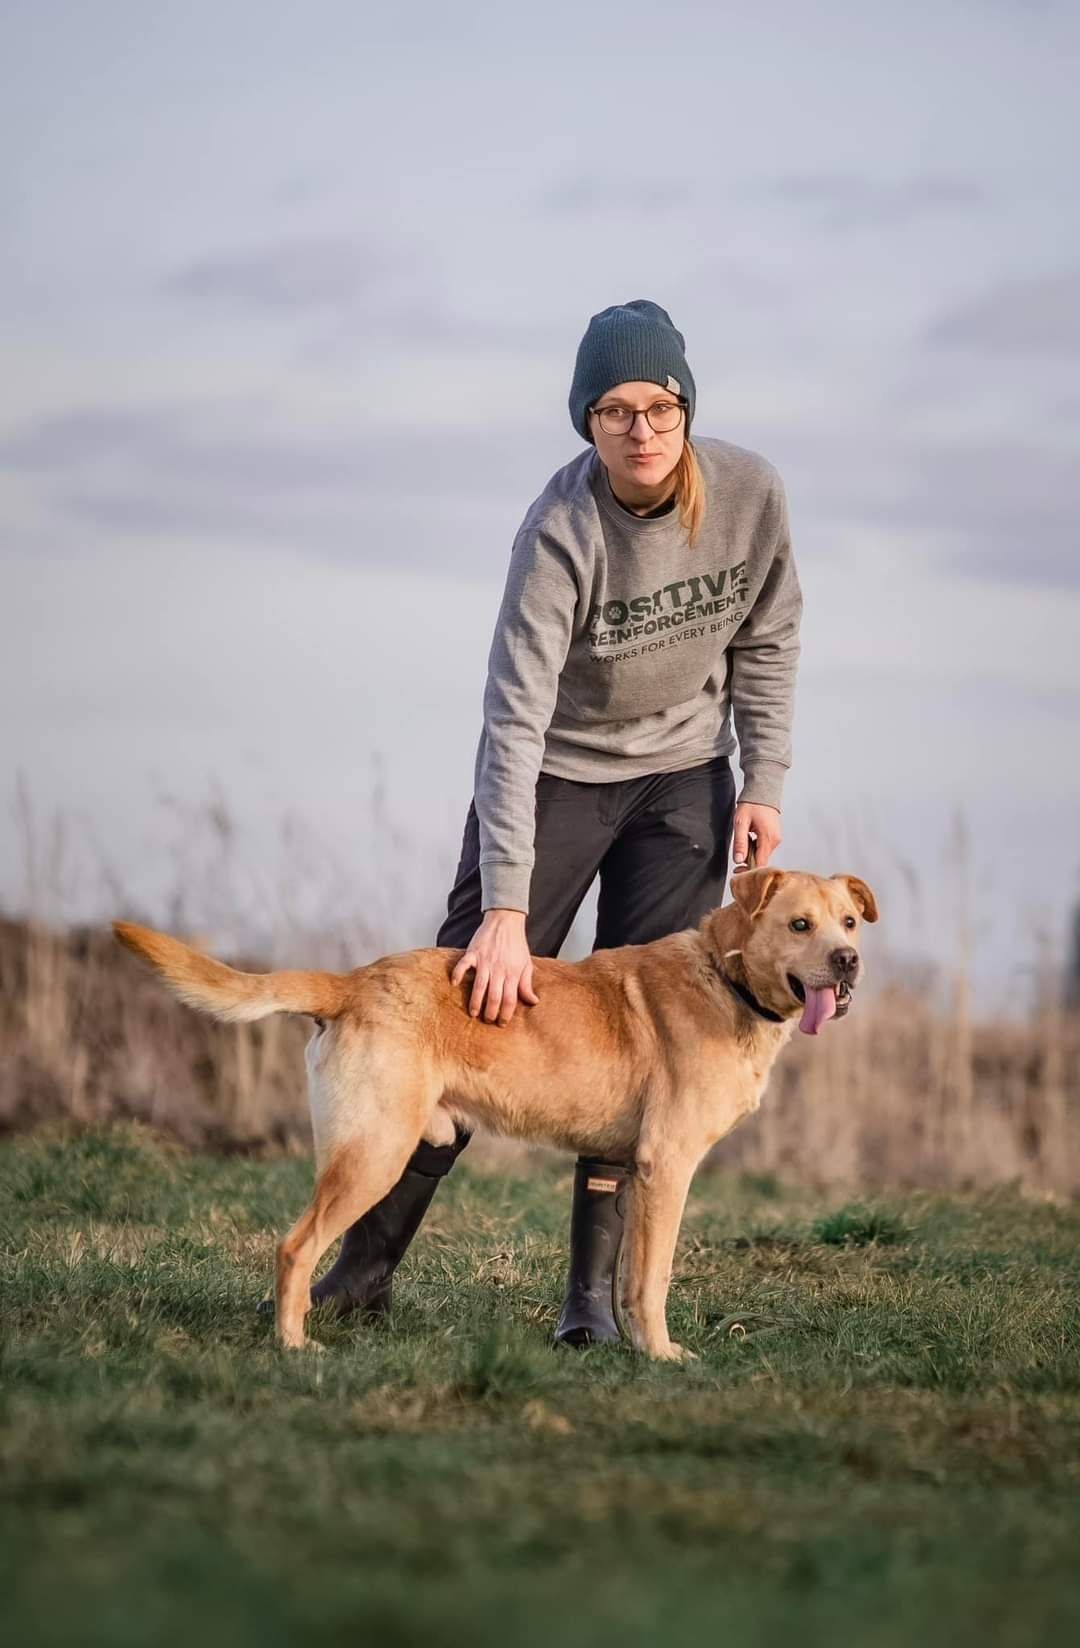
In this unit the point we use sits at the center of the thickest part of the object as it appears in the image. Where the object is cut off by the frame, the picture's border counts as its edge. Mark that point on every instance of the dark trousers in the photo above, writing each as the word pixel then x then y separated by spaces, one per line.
pixel 659 843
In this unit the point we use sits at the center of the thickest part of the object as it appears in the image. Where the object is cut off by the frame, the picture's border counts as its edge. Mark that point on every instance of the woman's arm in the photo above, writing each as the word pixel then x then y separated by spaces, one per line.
pixel 532 638
pixel 764 655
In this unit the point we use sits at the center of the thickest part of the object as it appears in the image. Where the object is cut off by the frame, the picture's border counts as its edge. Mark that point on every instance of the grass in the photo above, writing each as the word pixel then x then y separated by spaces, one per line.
pixel 899 1464
pixel 856 1226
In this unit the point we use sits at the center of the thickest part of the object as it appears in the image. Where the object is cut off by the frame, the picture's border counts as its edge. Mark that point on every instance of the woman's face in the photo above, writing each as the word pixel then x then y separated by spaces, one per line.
pixel 640 461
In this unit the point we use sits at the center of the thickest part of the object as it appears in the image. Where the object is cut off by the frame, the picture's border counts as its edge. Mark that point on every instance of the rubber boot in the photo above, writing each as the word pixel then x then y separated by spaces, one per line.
pixel 361 1277
pixel 590 1313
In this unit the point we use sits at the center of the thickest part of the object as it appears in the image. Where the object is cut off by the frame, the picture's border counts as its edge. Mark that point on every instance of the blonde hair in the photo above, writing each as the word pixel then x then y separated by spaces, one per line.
pixel 689 492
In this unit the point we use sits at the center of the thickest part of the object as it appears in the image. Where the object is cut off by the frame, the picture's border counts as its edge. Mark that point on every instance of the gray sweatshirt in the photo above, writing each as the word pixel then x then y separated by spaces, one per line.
pixel 619 651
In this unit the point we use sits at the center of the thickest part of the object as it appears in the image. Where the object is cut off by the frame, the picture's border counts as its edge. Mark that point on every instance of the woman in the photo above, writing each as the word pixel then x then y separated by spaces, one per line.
pixel 651 592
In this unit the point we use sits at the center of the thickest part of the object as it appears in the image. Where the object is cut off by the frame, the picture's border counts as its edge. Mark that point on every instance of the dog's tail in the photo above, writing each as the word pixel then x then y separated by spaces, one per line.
pixel 202 982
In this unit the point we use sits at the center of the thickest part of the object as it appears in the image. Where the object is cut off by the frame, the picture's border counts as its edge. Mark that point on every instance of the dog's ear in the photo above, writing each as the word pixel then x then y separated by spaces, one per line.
pixel 862 895
pixel 752 890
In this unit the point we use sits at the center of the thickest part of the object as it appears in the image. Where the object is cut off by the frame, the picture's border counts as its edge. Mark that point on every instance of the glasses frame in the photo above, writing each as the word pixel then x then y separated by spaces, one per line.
pixel 643 412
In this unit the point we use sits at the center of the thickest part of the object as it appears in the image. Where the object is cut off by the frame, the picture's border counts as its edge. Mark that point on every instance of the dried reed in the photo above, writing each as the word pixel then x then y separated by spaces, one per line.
pixel 911 1090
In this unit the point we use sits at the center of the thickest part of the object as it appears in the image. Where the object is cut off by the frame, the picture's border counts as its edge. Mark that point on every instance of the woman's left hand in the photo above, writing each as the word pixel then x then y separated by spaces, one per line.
pixel 763 823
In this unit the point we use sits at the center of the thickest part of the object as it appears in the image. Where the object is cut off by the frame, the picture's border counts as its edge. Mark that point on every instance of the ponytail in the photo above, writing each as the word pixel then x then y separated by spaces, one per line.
pixel 690 492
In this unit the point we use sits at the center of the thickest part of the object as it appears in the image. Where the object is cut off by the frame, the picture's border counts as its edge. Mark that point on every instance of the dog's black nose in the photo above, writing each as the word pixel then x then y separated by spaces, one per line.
pixel 846 962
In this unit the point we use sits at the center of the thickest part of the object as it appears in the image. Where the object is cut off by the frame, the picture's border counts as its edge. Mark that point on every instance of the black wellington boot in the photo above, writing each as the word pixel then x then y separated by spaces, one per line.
pixel 371 1250
pixel 590 1313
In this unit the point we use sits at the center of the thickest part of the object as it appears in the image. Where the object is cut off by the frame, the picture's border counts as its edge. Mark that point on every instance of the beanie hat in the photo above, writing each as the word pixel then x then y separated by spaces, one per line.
pixel 628 343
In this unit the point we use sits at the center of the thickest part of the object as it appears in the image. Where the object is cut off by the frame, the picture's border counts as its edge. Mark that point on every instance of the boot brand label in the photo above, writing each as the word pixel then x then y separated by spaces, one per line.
pixel 611 1185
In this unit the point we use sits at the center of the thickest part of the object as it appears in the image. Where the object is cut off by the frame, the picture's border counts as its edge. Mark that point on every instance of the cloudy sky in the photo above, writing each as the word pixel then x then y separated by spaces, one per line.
pixel 290 298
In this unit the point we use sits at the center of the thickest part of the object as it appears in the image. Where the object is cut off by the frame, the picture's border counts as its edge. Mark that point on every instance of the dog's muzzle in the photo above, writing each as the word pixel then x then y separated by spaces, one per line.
pixel 843 989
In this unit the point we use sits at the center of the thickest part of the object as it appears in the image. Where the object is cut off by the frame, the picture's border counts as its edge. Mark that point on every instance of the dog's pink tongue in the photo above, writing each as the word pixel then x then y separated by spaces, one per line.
pixel 820 1007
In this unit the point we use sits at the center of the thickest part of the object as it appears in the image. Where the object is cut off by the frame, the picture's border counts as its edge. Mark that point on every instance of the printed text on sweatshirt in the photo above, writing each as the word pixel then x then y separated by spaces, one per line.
pixel 619 651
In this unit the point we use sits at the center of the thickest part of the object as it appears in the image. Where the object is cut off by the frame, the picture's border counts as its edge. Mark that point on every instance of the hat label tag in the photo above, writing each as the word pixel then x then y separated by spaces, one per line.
pixel 673 385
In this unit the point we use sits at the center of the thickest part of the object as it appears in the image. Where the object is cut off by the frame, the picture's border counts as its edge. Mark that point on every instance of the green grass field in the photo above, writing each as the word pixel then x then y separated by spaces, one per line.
pixel 900 1464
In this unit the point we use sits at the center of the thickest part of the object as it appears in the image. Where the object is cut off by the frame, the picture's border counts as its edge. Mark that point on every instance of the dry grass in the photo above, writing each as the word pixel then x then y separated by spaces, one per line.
pixel 907 1095
pixel 912 1090
pixel 902 1095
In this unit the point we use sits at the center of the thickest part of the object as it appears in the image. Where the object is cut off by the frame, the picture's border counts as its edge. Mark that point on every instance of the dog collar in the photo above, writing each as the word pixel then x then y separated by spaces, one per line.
pixel 750 1000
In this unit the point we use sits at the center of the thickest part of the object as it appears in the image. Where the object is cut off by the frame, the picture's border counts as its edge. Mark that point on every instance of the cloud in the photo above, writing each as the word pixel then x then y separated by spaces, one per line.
pixel 740 283
pixel 291 275
pixel 200 471
pixel 358 292
pixel 424 325
pixel 586 197
pixel 297 189
pixel 1002 512
pixel 1040 316
pixel 847 200
pixel 994 510
pixel 84 434
pixel 1064 409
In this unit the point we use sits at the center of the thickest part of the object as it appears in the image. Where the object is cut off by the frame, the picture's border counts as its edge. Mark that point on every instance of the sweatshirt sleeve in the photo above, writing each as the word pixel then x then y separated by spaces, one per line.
pixel 764 654
pixel 532 638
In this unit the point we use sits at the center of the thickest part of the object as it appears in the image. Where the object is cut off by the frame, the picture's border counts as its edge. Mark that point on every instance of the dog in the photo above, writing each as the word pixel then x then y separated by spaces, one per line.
pixel 647 1054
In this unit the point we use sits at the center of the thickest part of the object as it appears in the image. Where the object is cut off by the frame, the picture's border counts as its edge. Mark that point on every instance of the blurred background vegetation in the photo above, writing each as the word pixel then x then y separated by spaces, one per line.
pixel 915 1088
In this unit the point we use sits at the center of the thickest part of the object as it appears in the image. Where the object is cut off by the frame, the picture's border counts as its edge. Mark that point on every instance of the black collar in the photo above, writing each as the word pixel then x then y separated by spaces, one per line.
pixel 749 999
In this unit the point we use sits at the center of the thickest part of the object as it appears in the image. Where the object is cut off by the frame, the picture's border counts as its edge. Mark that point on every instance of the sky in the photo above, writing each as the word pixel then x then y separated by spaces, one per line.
pixel 289 298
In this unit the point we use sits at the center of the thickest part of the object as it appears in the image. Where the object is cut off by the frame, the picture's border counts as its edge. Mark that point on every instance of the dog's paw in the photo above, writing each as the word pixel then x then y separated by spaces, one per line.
pixel 674 1353
pixel 298 1342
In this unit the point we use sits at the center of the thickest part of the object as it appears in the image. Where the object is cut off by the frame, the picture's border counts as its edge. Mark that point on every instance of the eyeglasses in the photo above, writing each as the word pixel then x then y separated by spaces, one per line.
pixel 663 416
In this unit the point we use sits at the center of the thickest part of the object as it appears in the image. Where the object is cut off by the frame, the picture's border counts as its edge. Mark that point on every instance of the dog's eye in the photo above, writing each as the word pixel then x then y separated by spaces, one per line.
pixel 849 921
pixel 800 925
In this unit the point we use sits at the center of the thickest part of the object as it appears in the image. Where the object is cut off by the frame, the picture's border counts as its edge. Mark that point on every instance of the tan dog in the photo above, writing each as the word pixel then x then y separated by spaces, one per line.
pixel 646 1054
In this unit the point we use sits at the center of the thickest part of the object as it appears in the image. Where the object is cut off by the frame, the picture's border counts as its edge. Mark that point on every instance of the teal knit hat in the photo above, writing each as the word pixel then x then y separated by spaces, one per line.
pixel 628 343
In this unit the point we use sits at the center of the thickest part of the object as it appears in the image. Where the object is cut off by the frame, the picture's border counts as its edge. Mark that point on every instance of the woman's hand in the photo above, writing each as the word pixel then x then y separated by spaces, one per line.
pixel 499 952
pixel 763 823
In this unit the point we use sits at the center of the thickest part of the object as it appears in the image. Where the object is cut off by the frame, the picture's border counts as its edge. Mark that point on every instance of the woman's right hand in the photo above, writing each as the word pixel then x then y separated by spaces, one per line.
pixel 499 952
